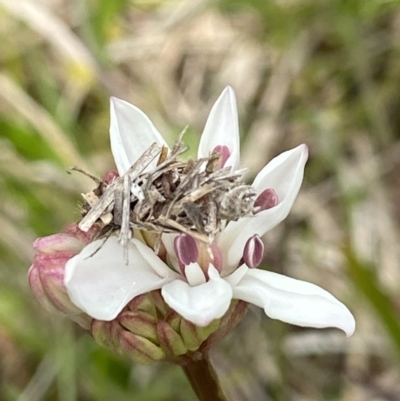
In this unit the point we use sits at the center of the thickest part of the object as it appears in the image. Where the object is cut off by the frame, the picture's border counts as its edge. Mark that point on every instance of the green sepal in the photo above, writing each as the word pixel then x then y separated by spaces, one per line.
pixel 174 320
pixel 144 303
pixel 107 334
pixel 101 333
pixel 159 303
pixel 140 323
pixel 205 332
pixel 170 340
pixel 190 335
pixel 140 349
pixel 116 330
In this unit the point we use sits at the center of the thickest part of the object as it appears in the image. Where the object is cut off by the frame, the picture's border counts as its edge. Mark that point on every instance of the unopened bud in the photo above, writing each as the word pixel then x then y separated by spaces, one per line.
pixel 170 340
pixel 266 200
pixel 140 349
pixel 144 303
pixel 253 251
pixel 37 288
pixel 159 302
pixel 100 331
pixel 190 336
pixel 58 243
pixel 116 331
pixel 174 320
pixel 140 323
pixel 206 331
pixel 110 176
pixel 46 278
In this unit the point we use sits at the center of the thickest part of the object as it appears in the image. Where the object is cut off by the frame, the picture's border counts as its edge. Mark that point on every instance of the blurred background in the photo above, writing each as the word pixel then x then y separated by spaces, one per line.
pixel 322 72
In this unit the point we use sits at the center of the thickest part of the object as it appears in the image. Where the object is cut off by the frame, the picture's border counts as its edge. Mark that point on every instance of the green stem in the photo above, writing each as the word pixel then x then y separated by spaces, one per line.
pixel 204 380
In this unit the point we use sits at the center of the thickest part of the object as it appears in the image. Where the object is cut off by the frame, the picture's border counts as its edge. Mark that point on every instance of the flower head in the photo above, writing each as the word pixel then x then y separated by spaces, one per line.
pixel 189 232
pixel 199 280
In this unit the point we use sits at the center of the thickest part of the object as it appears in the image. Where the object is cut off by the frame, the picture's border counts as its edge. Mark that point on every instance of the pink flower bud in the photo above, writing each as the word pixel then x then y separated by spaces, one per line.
pixel 57 243
pixel 253 251
pixel 37 288
pixel 110 176
pixel 46 275
pixel 266 200
pixel 51 274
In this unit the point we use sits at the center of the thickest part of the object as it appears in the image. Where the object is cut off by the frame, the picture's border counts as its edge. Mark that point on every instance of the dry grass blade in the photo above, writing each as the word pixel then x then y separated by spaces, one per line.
pixel 107 198
pixel 180 197
pixel 15 239
pixel 274 99
pixel 51 28
pixel 124 233
pixel 27 107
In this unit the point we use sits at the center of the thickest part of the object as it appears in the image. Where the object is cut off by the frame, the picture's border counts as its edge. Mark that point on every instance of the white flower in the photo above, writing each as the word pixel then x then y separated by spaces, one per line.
pixel 101 284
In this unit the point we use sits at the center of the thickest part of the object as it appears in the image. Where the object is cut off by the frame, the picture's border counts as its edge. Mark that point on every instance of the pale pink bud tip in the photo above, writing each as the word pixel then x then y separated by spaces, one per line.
pixel 186 249
pixel 58 243
pixel 110 176
pixel 253 251
pixel 266 200
pixel 224 154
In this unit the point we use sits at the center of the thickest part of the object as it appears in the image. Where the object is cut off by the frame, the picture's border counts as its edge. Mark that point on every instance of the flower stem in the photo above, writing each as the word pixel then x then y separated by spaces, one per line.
pixel 204 380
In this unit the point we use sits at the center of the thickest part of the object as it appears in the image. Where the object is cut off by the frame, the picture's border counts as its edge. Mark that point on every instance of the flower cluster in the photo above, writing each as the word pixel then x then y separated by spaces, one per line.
pixel 158 288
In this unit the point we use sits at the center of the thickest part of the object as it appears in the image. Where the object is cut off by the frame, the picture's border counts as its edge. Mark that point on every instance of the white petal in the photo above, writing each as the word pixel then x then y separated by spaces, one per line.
pixel 199 304
pixel 131 134
pixel 168 241
pixel 152 259
pixel 284 174
pixel 294 301
pixel 234 278
pixel 101 284
pixel 194 274
pixel 222 128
